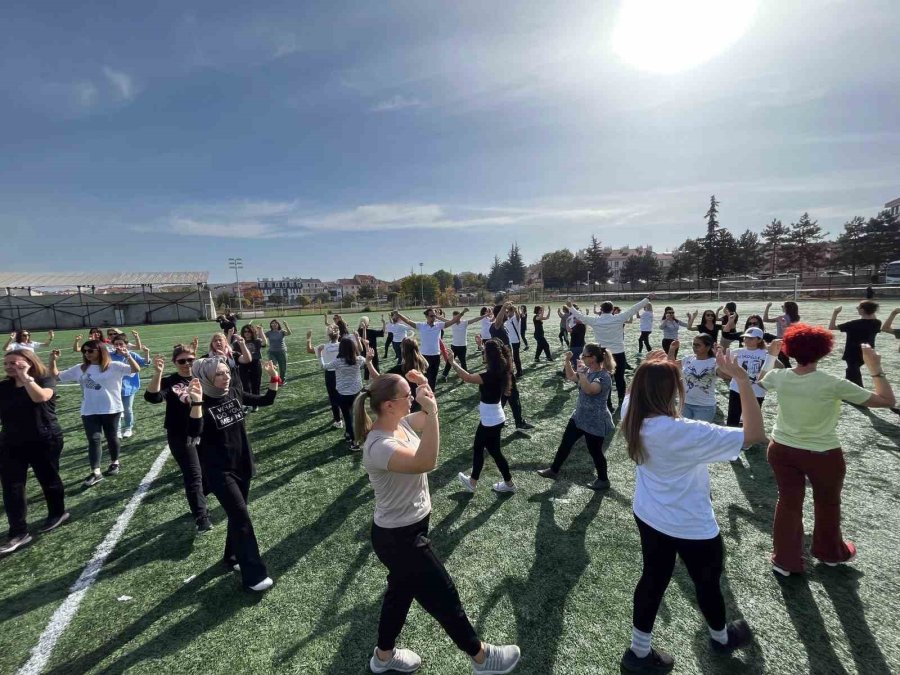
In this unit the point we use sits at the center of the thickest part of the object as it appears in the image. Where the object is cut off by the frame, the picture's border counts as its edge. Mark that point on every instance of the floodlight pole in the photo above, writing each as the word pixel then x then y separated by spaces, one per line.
pixel 422 284
pixel 236 264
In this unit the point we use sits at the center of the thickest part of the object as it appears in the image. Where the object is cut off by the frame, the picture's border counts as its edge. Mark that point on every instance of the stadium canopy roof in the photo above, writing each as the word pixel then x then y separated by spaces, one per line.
pixel 87 279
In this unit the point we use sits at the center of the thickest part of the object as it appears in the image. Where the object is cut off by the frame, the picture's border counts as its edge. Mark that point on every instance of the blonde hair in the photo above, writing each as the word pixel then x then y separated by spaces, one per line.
pixel 380 390
pixel 36 367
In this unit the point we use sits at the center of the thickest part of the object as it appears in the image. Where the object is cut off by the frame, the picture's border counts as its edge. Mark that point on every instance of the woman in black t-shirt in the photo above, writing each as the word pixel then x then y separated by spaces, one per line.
pixel 251 373
pixel 859 332
pixel 542 346
pixel 173 390
pixel 30 436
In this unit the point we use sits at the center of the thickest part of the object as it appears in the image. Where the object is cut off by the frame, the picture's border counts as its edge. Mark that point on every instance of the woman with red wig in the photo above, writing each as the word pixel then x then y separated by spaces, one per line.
pixel 805 443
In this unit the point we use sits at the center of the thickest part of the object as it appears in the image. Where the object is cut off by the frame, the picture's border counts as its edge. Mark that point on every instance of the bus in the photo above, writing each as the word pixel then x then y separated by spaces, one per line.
pixel 892 273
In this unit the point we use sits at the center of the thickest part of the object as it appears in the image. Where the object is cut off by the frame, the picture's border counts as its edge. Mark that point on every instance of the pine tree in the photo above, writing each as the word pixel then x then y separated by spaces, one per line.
pixel 514 266
pixel 495 280
pixel 882 239
pixel 775 235
pixel 804 239
pixel 749 258
pixel 852 244
pixel 597 260
pixel 712 265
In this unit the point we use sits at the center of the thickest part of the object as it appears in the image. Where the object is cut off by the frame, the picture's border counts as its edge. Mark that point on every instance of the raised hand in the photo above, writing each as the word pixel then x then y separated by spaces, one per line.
pixel 134 333
pixel 673 348
pixel 309 335
pixel 657 355
pixel 159 364
pixel 775 347
pixel 370 354
pixel 54 355
pixel 270 369
pixel 195 390
pixel 416 377
pixel 51 334
pixel 12 336
pixel 728 366
pixel 425 397
pixel 871 358
pixel 21 369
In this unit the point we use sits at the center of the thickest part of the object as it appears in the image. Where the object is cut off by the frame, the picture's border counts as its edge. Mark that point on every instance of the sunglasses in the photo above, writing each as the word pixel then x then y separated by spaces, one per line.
pixel 182 362
pixel 88 351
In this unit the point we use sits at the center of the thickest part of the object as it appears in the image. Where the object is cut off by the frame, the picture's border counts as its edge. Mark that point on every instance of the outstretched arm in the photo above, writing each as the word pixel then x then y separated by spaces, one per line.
pixel 404 319
pixel 832 325
pixel 766 316
pixel 888 326
pixel 456 319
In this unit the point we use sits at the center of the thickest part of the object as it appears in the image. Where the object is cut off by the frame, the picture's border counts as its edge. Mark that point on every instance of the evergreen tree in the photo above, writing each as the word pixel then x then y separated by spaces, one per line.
pixel 495 280
pixel 640 267
pixel 688 260
pixel 749 258
pixel 775 235
pixel 852 244
pixel 514 267
pixel 882 239
pixel 597 260
pixel 712 265
pixel 804 239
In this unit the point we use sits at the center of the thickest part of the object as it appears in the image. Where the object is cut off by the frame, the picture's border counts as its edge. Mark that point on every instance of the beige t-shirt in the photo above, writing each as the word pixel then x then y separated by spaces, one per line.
pixel 401 499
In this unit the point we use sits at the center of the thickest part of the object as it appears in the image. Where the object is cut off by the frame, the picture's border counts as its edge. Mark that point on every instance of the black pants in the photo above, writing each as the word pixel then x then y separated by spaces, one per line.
pixel 334 398
pixel 388 340
pixel 515 405
pixel 734 408
pixel 563 336
pixel 785 361
pixel 397 349
pixel 251 374
pixel 233 490
pixel 374 363
pixel 346 405
pixel 189 463
pixel 416 573
pixel 43 457
pixel 541 346
pixel 524 340
pixel 460 354
pixel 853 373
pixel 644 341
pixel 666 343
pixel 576 350
pixel 96 427
pixel 516 359
pixel 488 438
pixel 434 365
pixel 594 446
pixel 703 559
pixel 619 377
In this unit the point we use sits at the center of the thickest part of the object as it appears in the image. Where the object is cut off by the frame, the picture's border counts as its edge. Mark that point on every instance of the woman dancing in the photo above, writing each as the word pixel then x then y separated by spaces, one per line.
pixel 541 344
pixel 326 353
pixel 277 347
pixel 646 319
pixel 348 379
pixel 523 326
pixel 21 339
pixel 670 327
pixel 458 343
pixel 699 373
pixel 790 315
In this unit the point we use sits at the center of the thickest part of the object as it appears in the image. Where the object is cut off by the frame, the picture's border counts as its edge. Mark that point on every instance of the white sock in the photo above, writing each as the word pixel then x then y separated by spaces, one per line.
pixel 640 642
pixel 720 636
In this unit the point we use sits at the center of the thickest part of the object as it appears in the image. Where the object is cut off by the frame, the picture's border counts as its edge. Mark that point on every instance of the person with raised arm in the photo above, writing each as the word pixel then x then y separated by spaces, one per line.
pixel 609 334
pixel 371 336
pixel 93 334
pixel 563 314
pixel 30 435
pixel 541 345
pixel 348 378
pixel 699 373
pixel 523 326
pixel 730 318
pixel 646 325
pixel 709 323
pixel 430 335
pixel 173 390
pixel 514 331
pixel 100 379
pixel 670 327
pixel 672 505
pixel 277 351
pixel 805 445
pixel 591 418
pixel 217 429
pixel 131 384
pixel 458 343
pixel 790 314
pixel 251 373
pixel 494 386
pixel 399 450
pixel 326 353
pixel 859 332
pixel 21 339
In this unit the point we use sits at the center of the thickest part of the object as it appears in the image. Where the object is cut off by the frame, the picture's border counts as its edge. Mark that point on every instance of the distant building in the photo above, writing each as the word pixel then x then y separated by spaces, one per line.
pixel 617 256
pixel 894 207
pixel 291 288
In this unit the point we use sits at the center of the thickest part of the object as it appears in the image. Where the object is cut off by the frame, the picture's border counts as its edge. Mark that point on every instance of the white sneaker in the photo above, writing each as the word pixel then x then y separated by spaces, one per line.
pixel 503 486
pixel 466 481
pixel 497 660
pixel 263 585
pixel 338 424
pixel 401 661
pixel 128 433
pixel 119 434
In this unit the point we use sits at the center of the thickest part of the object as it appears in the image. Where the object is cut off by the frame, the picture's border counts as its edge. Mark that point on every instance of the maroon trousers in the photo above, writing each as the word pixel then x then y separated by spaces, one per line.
pixel 825 471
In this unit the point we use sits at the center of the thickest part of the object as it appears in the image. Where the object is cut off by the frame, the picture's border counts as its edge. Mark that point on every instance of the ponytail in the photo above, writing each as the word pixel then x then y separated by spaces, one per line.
pixel 362 423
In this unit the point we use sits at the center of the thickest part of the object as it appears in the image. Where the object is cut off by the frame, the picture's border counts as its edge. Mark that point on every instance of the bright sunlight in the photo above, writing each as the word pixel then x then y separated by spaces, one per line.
pixel 668 36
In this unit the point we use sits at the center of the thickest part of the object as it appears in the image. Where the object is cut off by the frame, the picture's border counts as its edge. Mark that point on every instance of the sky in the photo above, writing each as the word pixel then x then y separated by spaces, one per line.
pixel 326 139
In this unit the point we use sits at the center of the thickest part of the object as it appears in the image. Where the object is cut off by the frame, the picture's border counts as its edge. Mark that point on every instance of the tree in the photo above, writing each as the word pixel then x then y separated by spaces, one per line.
pixel 472 281
pixel 578 270
pixel 644 267
pixel 882 239
pixel 688 260
pixel 276 299
pixel 775 235
pixel 457 283
pixel 852 244
pixel 302 300
pixel 444 279
pixel 253 296
pixel 804 239
pixel 556 267
pixel 514 266
pixel 748 258
pixel 597 260
pixel 347 300
pixel 496 277
pixel 323 298
pixel 366 292
pixel 225 299
pixel 712 265
pixel 414 285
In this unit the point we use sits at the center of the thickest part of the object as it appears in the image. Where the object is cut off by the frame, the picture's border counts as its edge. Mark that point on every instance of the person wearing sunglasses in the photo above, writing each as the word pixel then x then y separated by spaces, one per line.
pixel 100 379
pixel 173 391
pixel 21 339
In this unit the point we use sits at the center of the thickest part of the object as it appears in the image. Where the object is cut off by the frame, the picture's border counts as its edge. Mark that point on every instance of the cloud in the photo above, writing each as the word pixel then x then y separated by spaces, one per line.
pixel 121 83
pixel 397 102
pixel 236 229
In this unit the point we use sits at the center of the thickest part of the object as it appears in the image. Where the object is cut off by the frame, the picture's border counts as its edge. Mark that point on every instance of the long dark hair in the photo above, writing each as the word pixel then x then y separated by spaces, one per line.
pixel 656 390
pixel 348 350
pixel 498 360
pixel 792 310
pixel 707 340
pixel 758 319
pixel 410 356
pixel 101 349
pixel 342 328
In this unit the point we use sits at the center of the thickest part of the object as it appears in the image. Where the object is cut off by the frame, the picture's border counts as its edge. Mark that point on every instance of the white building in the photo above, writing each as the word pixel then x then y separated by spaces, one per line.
pixel 290 288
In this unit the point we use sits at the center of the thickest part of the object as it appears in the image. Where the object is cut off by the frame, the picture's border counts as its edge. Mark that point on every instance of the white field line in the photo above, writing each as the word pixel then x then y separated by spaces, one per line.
pixel 64 614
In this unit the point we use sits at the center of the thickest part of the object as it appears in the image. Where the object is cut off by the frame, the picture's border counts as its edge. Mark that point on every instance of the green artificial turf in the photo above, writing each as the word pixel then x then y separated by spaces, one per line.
pixel 551 568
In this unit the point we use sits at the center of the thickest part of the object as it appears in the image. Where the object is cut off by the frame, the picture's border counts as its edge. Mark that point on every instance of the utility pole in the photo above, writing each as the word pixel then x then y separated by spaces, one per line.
pixel 422 284
pixel 237 264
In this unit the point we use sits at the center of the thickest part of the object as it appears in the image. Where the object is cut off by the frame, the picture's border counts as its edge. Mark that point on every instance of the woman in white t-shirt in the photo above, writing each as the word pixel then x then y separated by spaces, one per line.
pixel 346 366
pixel 672 505
pixel 326 353
pixel 751 357
pixel 646 319
pixel 21 339
pixel 458 344
pixel 699 373
pixel 101 386
pixel 399 449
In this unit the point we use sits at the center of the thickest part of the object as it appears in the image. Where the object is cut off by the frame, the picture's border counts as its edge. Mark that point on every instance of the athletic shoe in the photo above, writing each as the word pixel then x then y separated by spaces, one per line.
pixel 338 424
pixel 852 557
pixel 204 525
pixel 503 486
pixel 466 481
pixel 655 662
pixel 254 409
pixel 780 570
pixel 235 567
pixel 113 469
pixel 128 433
pixel 354 447
pixel 524 425
pixel 263 585
pixel 547 473
pixel 92 480
pixel 401 661
pixel 15 543
pixel 739 635
pixel 497 660
pixel 599 485
pixel 119 435
pixel 54 521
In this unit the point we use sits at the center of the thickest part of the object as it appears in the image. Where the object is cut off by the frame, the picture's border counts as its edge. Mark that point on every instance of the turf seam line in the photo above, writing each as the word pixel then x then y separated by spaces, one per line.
pixel 62 617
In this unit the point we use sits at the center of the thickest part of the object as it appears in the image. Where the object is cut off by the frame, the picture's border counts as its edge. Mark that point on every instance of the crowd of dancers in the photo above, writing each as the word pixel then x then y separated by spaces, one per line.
pixel 666 416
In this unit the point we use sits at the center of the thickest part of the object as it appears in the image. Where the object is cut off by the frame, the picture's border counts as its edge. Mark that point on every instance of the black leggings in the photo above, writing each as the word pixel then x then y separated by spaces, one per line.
pixel 233 490
pixel 785 361
pixel 594 446
pixel 388 339
pixel 666 343
pixel 43 457
pixel 460 354
pixel 734 408
pixel 488 438
pixel 416 573
pixel 251 373
pixel 96 427
pixel 703 559
pixel 334 398
pixel 515 405
pixel 346 405
pixel 516 359
pixel 619 377
pixel 541 346
pixel 194 485
pixel 563 335
pixel 644 341
pixel 853 373
pixel 397 349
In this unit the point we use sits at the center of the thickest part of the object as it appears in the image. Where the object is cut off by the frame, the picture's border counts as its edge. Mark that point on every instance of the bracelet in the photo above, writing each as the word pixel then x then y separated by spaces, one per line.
pixel 194 404
pixel 881 374
pixel 276 380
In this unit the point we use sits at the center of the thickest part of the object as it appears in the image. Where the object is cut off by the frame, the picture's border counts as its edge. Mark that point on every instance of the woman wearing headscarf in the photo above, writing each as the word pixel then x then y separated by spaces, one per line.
pixel 217 429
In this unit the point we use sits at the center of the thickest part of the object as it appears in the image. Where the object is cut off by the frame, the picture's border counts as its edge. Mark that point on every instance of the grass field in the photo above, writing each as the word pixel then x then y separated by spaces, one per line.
pixel 551 568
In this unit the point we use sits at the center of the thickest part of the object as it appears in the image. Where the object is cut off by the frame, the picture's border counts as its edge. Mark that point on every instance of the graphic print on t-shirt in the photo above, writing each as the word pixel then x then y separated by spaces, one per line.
pixel 87 381
pixel 227 413
pixel 696 375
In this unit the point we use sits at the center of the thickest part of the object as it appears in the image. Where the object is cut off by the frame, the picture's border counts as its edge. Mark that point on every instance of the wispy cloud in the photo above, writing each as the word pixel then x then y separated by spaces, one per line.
pixel 121 83
pixel 397 102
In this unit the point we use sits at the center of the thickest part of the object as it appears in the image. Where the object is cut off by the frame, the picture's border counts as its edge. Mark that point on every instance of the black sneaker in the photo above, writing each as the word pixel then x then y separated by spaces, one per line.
pixel 655 662
pixel 113 469
pixel 523 425
pixel 739 635
pixel 92 479
pixel 547 473
pixel 54 521
pixel 599 485
pixel 15 543
pixel 204 525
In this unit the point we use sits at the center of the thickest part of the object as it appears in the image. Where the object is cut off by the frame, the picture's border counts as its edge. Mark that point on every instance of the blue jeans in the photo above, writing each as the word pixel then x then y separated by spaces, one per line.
pixel 126 421
pixel 706 413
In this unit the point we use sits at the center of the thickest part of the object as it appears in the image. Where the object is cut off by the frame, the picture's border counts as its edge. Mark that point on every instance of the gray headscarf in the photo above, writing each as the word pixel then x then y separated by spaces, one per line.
pixel 205 370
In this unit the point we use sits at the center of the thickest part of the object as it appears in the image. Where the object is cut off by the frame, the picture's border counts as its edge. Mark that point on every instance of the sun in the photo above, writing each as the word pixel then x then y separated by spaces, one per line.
pixel 668 36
